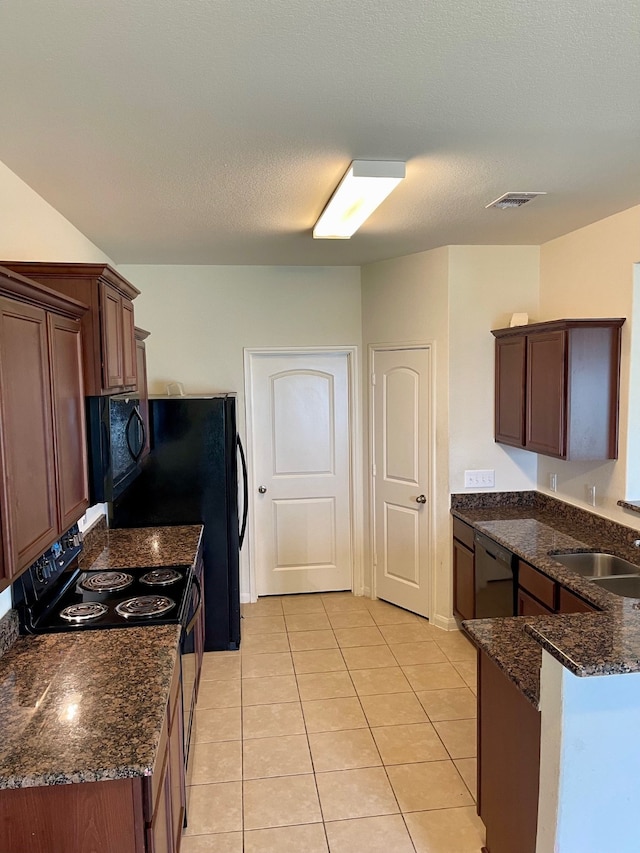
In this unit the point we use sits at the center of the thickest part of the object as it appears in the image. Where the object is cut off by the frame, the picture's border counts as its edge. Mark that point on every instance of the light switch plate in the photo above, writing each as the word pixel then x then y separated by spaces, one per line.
pixel 484 478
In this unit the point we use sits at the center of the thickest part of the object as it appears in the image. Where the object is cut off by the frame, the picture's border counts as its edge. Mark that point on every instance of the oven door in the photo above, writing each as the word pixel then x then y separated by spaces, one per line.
pixel 191 654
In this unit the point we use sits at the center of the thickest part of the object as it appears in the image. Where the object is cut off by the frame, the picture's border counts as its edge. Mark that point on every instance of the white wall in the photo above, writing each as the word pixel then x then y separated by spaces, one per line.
pixel 590 273
pixel 589 796
pixel 406 300
pixel 487 284
pixel 201 318
pixel 453 297
pixel 32 230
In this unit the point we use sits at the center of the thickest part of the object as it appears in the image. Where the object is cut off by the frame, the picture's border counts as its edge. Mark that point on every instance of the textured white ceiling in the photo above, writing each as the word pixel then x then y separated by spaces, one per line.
pixel 213 131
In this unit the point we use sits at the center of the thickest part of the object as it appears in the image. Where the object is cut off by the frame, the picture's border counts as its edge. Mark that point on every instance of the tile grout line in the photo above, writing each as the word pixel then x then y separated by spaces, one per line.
pixel 411 690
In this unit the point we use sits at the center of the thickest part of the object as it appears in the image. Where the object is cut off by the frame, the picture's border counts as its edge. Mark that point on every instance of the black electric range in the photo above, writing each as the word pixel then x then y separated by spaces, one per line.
pixel 55 595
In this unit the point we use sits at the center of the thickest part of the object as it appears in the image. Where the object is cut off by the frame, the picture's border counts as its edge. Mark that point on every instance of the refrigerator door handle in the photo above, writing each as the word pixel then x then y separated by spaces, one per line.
pixel 245 491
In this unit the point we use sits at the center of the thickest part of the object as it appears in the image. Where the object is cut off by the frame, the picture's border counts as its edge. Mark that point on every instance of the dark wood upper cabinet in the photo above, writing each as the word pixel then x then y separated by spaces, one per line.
pixel 65 345
pixel 510 388
pixel 129 343
pixel 546 394
pixel 26 418
pixel 43 488
pixel 107 328
pixel 557 388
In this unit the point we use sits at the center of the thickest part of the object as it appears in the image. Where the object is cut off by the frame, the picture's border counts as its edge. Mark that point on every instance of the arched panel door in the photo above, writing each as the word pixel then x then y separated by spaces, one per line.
pixel 402 477
pixel 301 460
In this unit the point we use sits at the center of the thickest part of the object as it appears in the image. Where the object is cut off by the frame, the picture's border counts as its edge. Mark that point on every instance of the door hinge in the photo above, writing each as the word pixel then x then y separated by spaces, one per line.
pixel 373 379
pixel 373 470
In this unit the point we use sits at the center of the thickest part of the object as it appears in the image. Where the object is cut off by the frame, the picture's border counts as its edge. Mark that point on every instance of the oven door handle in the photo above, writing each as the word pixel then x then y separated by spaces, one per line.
pixel 194 618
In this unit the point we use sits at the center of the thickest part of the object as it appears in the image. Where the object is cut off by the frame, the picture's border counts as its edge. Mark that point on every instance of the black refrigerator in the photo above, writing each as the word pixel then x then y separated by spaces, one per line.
pixel 191 477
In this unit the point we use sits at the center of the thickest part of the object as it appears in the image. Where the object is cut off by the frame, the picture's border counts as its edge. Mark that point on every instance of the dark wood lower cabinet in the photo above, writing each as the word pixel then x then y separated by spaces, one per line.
pixel 529 606
pixel 508 762
pixel 96 817
pixel 464 573
pixel 139 815
pixel 570 603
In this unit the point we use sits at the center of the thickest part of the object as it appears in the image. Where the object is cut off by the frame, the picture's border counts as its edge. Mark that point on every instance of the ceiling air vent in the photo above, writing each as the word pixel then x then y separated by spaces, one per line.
pixel 509 200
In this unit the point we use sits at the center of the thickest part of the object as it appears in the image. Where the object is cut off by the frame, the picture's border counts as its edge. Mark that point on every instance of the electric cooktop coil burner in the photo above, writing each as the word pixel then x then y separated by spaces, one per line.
pixel 145 605
pixel 160 577
pixel 83 612
pixel 107 581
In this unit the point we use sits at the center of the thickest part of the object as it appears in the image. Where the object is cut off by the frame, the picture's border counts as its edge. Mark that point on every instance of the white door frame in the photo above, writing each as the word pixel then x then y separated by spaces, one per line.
pixel 431 448
pixel 355 454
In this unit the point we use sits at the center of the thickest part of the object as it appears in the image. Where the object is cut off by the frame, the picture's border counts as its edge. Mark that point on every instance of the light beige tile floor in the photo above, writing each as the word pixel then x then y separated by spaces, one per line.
pixel 343 725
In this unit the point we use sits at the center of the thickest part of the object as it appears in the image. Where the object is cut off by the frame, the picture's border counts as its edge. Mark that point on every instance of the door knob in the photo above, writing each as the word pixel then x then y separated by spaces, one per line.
pixel 262 489
pixel 421 499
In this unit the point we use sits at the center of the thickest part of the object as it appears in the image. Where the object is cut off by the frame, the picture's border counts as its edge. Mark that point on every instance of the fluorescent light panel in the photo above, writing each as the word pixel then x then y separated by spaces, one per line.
pixel 364 187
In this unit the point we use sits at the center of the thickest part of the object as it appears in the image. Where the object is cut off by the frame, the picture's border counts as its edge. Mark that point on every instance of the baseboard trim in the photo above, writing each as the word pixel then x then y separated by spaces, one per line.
pixel 245 598
pixel 366 592
pixel 447 623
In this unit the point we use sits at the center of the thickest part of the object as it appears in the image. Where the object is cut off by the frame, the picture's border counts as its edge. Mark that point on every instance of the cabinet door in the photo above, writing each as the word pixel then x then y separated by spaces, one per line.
pixel 111 343
pixel 26 434
pixel 546 393
pixel 529 606
pixel 464 584
pixel 160 832
pixel 143 392
pixel 176 759
pixel 510 394
pixel 4 571
pixel 65 348
pixel 570 603
pixel 508 762
pixel 129 354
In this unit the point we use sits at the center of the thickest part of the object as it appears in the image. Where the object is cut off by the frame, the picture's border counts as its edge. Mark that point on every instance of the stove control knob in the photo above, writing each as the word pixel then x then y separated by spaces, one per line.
pixel 40 570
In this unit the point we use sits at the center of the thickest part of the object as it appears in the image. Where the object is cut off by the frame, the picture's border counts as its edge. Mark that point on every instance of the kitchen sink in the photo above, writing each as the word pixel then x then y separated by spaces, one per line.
pixel 628 586
pixel 597 565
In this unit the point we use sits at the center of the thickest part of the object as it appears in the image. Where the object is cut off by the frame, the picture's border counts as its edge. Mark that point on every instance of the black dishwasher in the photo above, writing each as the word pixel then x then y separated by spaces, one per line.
pixel 495 582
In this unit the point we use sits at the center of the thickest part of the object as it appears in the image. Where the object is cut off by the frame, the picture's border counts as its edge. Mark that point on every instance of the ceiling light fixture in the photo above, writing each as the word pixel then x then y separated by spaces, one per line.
pixel 364 187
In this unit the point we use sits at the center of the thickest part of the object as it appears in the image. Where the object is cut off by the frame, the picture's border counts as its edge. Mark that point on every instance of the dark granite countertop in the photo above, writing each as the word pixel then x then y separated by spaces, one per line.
pixel 89 706
pixel 140 546
pixel 84 707
pixel 602 643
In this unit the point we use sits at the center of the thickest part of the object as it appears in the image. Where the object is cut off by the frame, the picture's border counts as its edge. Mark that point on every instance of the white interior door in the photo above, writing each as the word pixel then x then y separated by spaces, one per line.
pixel 402 476
pixel 301 498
